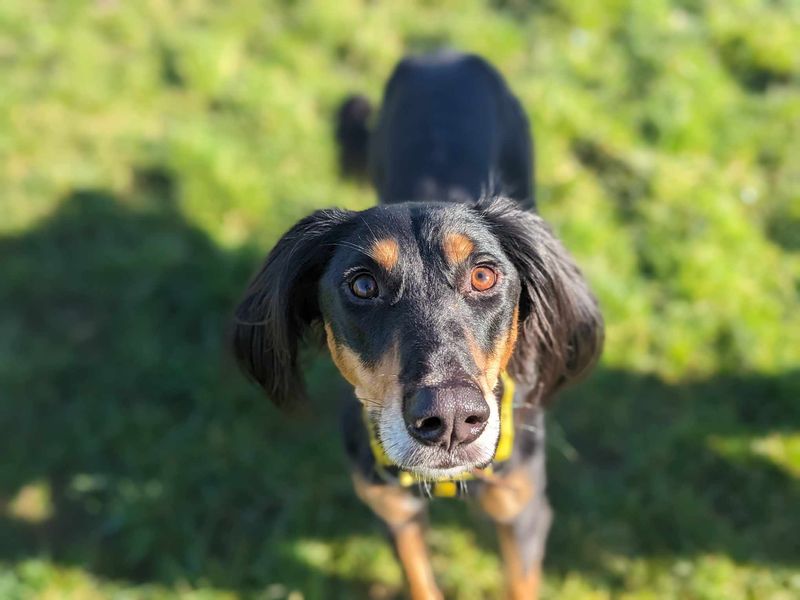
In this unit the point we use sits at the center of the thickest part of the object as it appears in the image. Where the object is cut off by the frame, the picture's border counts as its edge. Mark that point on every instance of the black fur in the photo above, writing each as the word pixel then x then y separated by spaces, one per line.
pixel 281 303
pixel 352 136
pixel 450 129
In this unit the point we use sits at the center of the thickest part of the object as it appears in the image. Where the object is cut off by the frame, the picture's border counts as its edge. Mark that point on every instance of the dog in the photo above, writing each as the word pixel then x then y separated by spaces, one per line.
pixel 451 308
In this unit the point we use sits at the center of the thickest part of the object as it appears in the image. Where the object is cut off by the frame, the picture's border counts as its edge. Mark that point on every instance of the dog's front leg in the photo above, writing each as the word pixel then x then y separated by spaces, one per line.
pixel 403 514
pixel 522 516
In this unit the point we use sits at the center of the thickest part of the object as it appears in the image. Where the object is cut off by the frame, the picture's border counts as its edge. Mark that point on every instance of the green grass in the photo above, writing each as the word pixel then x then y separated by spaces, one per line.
pixel 152 152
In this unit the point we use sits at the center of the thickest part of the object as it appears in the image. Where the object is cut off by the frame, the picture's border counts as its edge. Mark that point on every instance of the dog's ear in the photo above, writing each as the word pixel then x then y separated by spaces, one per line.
pixel 281 302
pixel 561 328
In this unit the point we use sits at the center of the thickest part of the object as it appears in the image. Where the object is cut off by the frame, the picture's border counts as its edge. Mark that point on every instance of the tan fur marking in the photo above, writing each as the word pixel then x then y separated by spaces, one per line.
pixel 490 366
pixel 385 252
pixel 344 358
pixel 492 372
pixel 374 385
pixel 511 339
pixel 504 497
pixel 457 247
pixel 399 509
pixel 394 505
pixel 478 355
pixel 521 585
pixel 487 377
pixel 414 555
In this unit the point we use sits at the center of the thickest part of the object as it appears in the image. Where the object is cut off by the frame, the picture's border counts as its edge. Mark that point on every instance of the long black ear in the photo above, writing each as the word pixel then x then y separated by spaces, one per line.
pixel 281 302
pixel 561 328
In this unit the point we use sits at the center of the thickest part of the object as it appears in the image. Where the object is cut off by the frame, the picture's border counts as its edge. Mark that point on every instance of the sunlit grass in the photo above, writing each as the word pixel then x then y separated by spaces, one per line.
pixel 152 152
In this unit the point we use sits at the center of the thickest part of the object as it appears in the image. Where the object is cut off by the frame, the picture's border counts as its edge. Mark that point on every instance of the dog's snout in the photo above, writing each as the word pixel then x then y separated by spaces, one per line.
pixel 446 416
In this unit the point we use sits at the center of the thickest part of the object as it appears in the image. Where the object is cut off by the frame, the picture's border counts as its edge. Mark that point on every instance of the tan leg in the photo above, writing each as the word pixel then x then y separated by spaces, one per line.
pixel 402 511
pixel 413 554
pixel 522 583
pixel 509 501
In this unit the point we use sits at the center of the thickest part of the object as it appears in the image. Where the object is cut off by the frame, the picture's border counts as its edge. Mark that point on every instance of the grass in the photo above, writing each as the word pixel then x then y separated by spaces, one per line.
pixel 151 153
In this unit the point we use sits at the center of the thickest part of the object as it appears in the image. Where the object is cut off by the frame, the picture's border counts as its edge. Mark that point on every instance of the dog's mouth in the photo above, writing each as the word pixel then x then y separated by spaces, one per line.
pixel 443 468
pixel 437 459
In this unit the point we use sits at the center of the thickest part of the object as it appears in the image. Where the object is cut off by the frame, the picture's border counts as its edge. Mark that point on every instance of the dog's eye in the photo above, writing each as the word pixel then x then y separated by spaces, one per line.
pixel 483 278
pixel 364 286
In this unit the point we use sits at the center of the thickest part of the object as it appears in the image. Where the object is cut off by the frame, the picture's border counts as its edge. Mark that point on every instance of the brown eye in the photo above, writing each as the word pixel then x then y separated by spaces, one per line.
pixel 364 286
pixel 483 278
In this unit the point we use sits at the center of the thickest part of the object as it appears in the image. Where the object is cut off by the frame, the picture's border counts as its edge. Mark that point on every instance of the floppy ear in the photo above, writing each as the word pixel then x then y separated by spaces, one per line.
pixel 561 328
pixel 281 303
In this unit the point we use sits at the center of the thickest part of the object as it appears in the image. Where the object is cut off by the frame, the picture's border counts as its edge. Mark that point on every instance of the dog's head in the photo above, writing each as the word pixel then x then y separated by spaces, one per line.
pixel 423 305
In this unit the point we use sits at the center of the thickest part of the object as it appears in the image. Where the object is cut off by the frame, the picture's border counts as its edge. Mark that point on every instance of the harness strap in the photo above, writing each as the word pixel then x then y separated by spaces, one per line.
pixel 448 487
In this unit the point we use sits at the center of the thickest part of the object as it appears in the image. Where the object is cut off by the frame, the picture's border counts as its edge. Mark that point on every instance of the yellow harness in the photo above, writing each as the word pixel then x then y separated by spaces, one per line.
pixel 448 488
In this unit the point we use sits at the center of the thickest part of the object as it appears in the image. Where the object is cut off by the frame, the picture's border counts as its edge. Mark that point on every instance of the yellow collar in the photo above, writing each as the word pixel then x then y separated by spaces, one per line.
pixel 447 488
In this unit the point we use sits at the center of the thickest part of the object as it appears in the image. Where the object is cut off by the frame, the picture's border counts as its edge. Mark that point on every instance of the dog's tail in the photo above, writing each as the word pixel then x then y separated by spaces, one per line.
pixel 352 136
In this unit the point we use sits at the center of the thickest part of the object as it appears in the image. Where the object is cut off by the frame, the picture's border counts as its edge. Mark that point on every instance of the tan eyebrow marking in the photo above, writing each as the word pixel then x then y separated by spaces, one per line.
pixel 385 252
pixel 457 247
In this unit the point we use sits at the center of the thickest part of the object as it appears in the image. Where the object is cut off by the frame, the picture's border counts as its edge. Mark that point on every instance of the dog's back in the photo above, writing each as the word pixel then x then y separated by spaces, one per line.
pixel 449 129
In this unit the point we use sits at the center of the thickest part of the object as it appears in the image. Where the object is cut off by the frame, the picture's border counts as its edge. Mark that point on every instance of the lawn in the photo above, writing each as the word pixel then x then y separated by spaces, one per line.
pixel 152 152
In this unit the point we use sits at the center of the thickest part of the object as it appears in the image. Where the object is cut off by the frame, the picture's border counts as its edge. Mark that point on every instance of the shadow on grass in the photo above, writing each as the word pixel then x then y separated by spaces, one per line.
pixel 163 466
pixel 660 470
pixel 117 396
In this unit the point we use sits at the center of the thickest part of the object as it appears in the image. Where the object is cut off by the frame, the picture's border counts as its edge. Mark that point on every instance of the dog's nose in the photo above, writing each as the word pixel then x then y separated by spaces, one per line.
pixel 446 416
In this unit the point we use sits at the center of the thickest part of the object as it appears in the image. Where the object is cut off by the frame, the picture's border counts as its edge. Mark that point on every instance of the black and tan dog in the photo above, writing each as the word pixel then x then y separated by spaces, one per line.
pixel 455 313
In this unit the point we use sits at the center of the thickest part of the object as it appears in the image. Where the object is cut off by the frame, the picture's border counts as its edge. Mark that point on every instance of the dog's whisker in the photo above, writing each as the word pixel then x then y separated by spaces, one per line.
pixel 351 245
pixel 427 487
pixel 374 237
